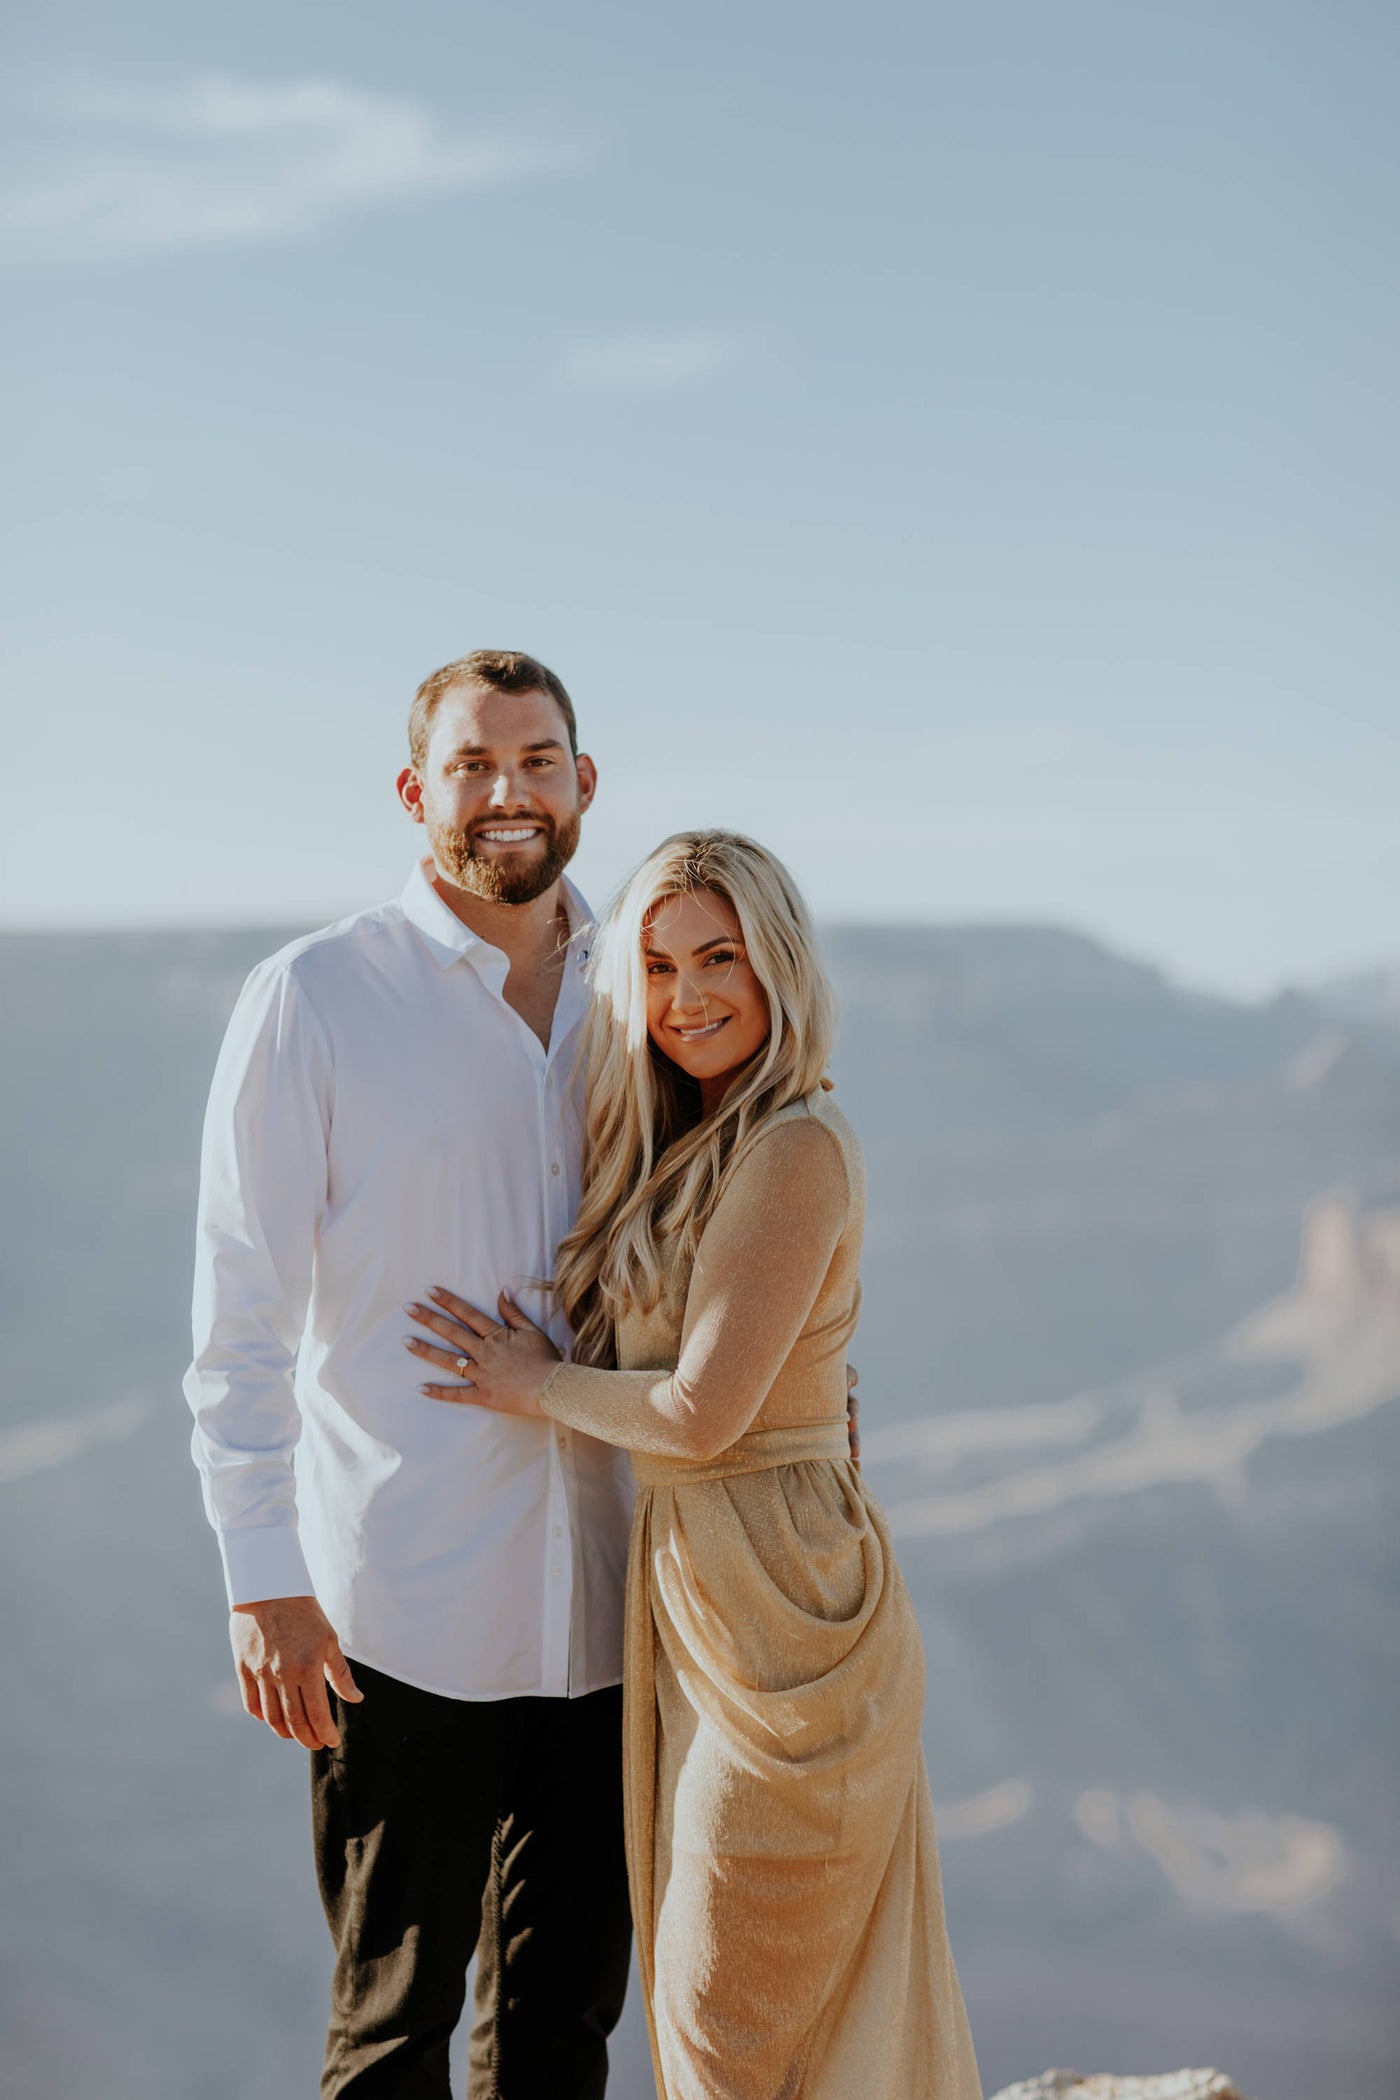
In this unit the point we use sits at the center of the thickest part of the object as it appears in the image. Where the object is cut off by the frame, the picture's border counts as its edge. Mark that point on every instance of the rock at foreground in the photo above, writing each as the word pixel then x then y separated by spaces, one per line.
pixel 1168 2085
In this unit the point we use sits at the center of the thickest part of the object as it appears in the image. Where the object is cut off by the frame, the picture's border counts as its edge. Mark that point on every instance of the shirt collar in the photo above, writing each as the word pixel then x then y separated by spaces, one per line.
pixel 448 940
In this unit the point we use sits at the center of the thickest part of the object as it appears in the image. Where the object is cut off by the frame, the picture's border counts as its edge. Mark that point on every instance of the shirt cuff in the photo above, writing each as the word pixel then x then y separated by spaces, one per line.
pixel 262 1563
pixel 552 1379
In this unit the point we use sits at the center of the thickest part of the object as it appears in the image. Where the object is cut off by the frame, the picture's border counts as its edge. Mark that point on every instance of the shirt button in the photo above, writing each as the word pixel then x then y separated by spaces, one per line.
pixel 555 1168
pixel 563 1440
pixel 558 1571
pixel 559 1531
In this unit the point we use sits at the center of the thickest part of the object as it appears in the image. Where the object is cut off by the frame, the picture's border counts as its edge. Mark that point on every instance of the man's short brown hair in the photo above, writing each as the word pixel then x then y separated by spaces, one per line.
pixel 505 670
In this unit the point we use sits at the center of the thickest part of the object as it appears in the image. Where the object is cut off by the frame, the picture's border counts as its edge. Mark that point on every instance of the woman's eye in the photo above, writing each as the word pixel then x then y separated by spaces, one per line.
pixel 722 955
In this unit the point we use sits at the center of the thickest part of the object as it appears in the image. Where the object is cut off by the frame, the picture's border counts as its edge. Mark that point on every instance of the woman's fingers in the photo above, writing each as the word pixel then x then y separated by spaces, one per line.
pixel 445 1359
pixel 464 1395
pixel 454 1331
pixel 514 1317
pixel 468 1315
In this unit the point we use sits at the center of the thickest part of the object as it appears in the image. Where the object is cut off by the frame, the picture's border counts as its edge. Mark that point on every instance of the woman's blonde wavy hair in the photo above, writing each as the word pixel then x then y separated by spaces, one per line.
pixel 654 1166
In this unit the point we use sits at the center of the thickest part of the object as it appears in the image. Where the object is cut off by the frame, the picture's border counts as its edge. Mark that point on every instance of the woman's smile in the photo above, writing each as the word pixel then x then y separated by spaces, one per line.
pixel 702 1032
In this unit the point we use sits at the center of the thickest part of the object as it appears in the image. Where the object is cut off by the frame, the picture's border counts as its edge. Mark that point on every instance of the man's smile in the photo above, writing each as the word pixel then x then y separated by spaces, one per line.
pixel 509 834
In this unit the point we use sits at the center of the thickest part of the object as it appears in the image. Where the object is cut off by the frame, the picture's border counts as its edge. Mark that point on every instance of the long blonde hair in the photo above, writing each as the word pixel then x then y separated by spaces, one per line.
pixel 653 1172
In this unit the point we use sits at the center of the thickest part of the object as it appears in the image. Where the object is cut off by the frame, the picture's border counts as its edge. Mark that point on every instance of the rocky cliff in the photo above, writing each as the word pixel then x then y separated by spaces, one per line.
pixel 1169 2085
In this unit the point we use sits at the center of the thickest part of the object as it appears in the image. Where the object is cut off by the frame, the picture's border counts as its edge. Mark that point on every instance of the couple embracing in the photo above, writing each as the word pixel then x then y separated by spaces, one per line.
pixel 528 1258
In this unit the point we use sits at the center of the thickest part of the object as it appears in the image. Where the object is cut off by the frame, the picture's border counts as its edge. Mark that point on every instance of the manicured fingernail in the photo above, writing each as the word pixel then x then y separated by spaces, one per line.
pixel 411 1310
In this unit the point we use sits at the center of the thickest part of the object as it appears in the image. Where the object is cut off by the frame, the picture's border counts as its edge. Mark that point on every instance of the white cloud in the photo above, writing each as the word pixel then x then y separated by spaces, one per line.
pixel 993 1810
pixel 1249 1862
pixel 35 1446
pixel 650 362
pixel 218 160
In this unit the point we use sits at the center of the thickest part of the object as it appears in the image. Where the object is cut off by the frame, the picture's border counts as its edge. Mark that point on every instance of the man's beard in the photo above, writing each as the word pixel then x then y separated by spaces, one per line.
pixel 506 878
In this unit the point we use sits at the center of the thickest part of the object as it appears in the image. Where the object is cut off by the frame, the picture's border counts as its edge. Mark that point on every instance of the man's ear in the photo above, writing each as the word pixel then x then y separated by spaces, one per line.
pixel 410 789
pixel 587 780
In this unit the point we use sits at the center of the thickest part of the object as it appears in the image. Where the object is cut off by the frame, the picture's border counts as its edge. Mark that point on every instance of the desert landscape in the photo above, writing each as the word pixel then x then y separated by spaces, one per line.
pixel 1129 1366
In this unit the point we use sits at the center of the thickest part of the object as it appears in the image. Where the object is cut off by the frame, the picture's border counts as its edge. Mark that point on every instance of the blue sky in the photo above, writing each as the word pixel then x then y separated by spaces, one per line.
pixel 956 444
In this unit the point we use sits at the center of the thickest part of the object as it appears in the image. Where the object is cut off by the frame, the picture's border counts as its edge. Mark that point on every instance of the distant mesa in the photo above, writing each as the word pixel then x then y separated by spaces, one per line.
pixel 1349 1260
pixel 1347 1290
pixel 1339 1325
pixel 1369 999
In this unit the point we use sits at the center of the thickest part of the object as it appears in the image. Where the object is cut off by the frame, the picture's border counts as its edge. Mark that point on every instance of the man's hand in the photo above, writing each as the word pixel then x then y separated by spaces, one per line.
pixel 285 1651
pixel 853 1411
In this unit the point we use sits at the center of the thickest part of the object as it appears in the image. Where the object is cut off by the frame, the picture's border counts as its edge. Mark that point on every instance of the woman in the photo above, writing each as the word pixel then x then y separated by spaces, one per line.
pixel 779 1831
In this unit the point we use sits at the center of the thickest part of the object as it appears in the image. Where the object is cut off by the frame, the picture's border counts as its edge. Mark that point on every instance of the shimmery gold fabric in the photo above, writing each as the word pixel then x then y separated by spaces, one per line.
pixel 780 1840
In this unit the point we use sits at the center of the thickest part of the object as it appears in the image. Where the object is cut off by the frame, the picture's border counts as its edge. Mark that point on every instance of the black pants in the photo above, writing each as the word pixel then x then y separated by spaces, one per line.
pixel 447 1825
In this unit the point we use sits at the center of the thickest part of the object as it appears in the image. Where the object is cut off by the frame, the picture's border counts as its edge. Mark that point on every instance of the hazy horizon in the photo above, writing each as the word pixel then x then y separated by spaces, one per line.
pixel 279 930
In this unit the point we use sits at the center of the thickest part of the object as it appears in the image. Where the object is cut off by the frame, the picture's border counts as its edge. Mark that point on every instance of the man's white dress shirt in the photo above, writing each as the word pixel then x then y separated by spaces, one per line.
pixel 381 1121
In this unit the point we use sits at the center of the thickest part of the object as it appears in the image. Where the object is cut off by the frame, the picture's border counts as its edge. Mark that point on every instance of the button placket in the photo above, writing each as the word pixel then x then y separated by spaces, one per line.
pixel 558 1598
pixel 568 1549
pixel 562 1581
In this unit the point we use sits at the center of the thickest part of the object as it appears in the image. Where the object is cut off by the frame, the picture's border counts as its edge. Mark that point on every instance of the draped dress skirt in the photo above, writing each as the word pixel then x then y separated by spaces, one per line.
pixel 785 1880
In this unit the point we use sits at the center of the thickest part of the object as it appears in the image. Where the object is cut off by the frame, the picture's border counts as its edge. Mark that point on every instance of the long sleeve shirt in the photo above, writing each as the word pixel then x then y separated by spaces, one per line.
pixel 380 1121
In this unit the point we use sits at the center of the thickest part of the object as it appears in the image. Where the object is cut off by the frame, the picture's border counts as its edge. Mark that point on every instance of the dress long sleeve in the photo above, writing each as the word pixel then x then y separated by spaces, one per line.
pixel 758 1269
pixel 262 1193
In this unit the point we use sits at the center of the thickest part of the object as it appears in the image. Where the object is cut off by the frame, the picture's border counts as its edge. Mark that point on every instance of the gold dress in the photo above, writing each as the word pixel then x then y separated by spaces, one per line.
pixel 780 1842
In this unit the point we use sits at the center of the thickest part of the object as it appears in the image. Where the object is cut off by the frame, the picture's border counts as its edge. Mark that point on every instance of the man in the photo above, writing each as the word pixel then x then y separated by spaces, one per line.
pixel 394 1107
